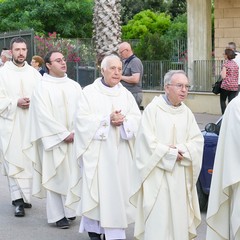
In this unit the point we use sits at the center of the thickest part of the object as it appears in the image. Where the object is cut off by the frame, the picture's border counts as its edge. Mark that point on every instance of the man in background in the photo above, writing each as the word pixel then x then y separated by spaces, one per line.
pixel 6 55
pixel 132 71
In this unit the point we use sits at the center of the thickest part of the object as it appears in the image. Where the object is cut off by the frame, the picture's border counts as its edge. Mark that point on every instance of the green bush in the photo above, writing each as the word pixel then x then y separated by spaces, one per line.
pixel 153 46
pixel 144 23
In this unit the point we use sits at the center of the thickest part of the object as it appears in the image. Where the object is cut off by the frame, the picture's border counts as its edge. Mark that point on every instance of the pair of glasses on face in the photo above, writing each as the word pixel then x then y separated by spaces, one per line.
pixel 59 60
pixel 180 86
pixel 123 51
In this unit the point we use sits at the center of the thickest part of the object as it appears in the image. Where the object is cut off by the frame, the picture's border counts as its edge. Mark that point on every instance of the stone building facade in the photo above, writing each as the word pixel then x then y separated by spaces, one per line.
pixel 227 24
pixel 227 28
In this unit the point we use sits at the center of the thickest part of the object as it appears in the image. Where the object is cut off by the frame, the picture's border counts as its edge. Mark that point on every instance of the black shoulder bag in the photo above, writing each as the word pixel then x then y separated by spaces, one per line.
pixel 216 87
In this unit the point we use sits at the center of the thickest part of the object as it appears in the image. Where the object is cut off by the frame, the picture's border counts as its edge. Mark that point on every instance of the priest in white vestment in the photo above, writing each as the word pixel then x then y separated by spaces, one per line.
pixel 17 81
pixel 107 121
pixel 168 155
pixel 223 214
pixel 50 137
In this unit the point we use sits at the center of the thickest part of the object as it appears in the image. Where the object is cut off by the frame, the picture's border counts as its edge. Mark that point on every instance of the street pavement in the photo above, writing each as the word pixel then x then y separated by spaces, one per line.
pixel 34 225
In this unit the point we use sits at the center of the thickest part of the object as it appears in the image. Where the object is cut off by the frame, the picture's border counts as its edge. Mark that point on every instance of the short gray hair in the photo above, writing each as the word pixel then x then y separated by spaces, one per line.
pixel 7 54
pixel 168 76
pixel 106 60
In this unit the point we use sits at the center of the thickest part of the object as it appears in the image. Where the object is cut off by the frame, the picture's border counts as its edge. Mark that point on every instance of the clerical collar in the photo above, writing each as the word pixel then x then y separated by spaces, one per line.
pixel 103 82
pixel 168 102
pixel 17 65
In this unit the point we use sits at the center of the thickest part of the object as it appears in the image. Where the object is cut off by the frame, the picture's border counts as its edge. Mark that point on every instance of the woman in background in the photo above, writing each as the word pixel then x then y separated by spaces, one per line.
pixel 229 74
pixel 38 62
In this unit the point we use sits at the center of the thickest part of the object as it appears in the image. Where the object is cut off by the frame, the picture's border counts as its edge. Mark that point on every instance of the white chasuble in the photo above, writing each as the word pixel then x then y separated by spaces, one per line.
pixel 105 155
pixel 166 196
pixel 15 83
pixel 223 215
pixel 51 121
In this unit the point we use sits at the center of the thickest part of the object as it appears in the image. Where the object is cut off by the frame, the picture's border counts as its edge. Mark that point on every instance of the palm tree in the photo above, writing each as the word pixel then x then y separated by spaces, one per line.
pixel 107 26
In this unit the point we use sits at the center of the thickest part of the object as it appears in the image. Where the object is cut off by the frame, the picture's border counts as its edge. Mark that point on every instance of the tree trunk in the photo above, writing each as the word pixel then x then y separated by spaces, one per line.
pixel 107 27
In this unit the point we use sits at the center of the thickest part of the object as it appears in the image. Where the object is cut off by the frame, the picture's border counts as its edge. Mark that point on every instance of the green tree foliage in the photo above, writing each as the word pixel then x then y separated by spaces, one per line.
pixel 156 32
pixel 153 47
pixel 178 28
pixel 153 22
pixel 144 23
pixel 129 9
pixel 132 7
pixel 72 18
pixel 177 7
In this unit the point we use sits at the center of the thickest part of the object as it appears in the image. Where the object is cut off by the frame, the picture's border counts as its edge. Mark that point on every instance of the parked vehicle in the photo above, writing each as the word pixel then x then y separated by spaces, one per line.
pixel 210 135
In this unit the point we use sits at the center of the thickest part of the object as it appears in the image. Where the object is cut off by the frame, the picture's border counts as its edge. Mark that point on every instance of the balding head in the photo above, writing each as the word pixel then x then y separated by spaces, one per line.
pixel 125 50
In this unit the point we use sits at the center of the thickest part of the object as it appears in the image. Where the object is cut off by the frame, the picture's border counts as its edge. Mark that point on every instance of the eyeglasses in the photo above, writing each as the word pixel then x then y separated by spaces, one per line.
pixel 59 60
pixel 123 51
pixel 180 86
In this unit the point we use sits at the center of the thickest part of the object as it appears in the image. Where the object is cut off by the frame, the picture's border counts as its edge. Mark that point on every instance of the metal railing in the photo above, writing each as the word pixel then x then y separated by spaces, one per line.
pixel 205 73
pixel 154 72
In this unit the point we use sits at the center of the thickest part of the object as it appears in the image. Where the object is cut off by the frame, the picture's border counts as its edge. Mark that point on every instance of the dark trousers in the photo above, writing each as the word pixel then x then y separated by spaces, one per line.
pixel 95 236
pixel 138 97
pixel 224 95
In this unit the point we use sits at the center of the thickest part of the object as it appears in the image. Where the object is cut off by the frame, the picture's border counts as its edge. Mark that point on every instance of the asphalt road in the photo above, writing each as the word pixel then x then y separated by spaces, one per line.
pixel 34 225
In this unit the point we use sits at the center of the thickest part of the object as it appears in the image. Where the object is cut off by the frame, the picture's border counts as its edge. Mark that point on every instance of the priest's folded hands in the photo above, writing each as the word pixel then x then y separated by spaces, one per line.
pixel 23 103
pixel 180 153
pixel 69 138
pixel 117 118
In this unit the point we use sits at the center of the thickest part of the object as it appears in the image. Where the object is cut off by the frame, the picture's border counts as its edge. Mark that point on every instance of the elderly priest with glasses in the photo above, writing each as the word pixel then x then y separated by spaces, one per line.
pixel 168 156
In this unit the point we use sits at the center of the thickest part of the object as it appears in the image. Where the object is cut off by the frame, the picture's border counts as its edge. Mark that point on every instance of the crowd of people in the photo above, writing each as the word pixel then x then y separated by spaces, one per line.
pixel 92 153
